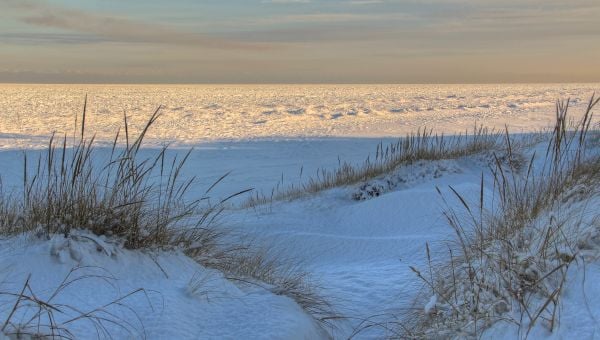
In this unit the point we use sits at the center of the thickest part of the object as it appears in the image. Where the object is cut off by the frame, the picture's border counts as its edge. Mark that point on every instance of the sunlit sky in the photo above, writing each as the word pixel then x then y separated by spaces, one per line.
pixel 299 41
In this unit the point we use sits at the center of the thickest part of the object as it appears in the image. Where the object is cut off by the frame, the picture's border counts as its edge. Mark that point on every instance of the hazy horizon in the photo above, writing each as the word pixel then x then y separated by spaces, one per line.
pixel 299 42
pixel 301 84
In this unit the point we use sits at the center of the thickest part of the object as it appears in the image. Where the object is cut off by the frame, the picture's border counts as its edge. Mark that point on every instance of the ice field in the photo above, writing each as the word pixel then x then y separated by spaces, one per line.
pixel 198 113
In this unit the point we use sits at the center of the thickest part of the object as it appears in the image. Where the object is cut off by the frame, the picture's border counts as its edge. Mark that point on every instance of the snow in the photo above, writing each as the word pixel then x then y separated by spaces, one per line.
pixel 579 310
pixel 167 308
pixel 194 114
pixel 430 306
pixel 358 241
pixel 361 250
pixel 358 251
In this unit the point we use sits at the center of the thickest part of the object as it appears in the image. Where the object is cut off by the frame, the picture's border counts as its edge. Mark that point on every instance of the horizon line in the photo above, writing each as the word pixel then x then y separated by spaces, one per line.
pixel 305 83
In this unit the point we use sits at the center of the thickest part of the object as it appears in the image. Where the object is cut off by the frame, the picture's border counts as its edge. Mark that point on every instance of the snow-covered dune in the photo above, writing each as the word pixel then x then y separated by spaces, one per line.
pixel 360 242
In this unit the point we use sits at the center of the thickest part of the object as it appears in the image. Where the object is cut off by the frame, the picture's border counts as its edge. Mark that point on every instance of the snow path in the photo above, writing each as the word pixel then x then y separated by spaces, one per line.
pixel 361 251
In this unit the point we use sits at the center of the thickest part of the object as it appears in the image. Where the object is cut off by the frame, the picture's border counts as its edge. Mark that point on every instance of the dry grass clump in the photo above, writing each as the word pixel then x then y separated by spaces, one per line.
pixel 423 145
pixel 31 316
pixel 247 263
pixel 141 201
pixel 511 264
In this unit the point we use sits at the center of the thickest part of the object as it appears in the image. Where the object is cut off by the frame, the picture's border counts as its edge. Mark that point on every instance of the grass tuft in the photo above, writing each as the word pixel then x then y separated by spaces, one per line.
pixel 34 315
pixel 423 145
pixel 141 201
pixel 511 264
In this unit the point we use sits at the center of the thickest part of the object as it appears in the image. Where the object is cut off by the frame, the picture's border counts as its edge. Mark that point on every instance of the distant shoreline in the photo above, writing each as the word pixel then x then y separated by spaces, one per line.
pixel 303 84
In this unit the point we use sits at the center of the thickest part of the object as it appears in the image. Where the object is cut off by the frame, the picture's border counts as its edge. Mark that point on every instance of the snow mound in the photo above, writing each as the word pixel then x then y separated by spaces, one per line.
pixel 160 295
pixel 404 177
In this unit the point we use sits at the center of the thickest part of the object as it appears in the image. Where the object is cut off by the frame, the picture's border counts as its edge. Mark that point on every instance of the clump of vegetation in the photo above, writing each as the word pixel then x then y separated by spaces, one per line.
pixel 510 264
pixel 138 200
pixel 249 264
pixel 423 145
pixel 141 202
pixel 31 317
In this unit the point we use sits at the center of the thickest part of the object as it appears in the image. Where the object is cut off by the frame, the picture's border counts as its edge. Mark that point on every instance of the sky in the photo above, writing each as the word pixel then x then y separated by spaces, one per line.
pixel 299 41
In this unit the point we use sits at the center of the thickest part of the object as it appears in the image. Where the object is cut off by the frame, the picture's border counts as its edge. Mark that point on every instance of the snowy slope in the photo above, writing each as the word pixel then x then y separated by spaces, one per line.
pixel 361 250
pixel 358 250
pixel 169 307
pixel 579 309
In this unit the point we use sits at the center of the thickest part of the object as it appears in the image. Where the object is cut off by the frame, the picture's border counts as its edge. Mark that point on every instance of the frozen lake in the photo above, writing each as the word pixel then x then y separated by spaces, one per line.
pixel 194 114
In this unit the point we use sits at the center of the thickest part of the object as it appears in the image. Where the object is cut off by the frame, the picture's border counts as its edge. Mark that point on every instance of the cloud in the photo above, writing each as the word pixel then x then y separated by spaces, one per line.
pixel 49 38
pixel 322 18
pixel 285 1
pixel 366 2
pixel 311 41
pixel 113 28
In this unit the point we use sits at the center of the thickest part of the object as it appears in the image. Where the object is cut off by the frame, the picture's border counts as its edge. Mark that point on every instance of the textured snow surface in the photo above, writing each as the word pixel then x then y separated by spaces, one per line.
pixel 578 314
pixel 358 245
pixel 167 308
pixel 361 250
pixel 197 113
pixel 358 251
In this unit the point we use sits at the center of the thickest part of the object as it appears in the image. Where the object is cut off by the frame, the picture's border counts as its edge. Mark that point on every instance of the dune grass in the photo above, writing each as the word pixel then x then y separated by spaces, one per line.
pixel 31 317
pixel 141 202
pixel 511 264
pixel 66 189
pixel 422 145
